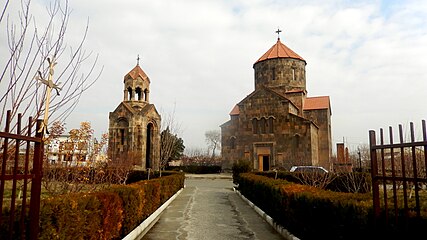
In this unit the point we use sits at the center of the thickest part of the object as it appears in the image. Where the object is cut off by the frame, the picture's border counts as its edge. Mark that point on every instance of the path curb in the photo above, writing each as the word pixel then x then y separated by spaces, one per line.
pixel 281 230
pixel 139 232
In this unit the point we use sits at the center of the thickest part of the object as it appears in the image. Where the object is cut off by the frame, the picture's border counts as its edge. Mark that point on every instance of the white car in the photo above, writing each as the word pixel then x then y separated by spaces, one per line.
pixel 308 169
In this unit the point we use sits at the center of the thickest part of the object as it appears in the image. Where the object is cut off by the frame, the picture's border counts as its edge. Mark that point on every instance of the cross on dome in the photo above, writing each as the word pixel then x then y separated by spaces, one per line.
pixel 278 33
pixel 137 60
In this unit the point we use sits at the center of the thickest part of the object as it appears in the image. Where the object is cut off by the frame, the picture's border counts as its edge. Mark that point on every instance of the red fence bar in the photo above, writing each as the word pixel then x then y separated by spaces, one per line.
pixel 383 171
pixel 397 180
pixel 393 176
pixel 17 172
pixel 25 187
pixel 374 175
pixel 36 185
pixel 3 165
pixel 414 166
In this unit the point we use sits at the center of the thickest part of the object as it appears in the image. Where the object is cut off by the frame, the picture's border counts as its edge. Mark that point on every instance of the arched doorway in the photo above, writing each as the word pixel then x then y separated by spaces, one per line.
pixel 149 146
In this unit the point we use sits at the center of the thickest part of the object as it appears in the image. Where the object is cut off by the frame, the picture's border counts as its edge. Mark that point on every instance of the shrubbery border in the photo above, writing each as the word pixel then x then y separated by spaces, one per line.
pixel 107 214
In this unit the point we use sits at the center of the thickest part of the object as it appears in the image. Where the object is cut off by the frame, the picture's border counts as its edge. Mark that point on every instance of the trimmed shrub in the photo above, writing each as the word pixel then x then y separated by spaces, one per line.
pixel 309 212
pixel 313 213
pixel 108 214
pixel 81 216
pixel 241 166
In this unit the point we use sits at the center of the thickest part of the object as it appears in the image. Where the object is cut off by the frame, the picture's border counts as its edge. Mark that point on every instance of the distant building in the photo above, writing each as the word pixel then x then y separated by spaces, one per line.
pixel 278 125
pixel 342 163
pixel 63 151
pixel 134 126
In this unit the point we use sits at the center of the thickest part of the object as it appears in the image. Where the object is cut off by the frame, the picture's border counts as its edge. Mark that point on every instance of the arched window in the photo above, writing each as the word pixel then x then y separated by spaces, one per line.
pixel 129 94
pixel 255 126
pixel 270 125
pixel 122 125
pixel 122 136
pixel 297 140
pixel 293 73
pixel 262 124
pixel 233 142
pixel 273 73
pixel 138 94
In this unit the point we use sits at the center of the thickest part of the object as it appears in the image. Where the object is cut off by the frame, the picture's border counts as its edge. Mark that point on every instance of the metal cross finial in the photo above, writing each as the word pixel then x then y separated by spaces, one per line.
pixel 49 84
pixel 137 60
pixel 278 33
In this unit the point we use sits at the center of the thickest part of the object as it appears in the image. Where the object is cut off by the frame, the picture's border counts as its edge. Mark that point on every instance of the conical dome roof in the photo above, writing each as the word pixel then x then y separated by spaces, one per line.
pixel 279 50
pixel 135 72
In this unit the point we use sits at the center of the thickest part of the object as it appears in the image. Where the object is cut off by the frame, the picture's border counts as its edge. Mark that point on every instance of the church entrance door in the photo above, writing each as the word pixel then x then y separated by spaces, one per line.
pixel 263 162
pixel 263 154
pixel 266 163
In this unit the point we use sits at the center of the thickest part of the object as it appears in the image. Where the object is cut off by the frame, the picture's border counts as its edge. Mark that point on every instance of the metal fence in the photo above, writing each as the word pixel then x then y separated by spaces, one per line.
pixel 20 180
pixel 398 176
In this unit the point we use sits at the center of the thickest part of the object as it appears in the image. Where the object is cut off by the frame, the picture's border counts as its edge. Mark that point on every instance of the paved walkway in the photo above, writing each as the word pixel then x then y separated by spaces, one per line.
pixel 208 208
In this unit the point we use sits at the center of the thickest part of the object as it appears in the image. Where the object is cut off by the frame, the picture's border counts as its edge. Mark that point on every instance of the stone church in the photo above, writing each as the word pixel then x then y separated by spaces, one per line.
pixel 134 126
pixel 278 125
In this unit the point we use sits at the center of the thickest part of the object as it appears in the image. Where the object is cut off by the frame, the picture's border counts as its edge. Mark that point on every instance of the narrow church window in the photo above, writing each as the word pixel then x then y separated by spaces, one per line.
pixel 273 73
pixel 232 142
pixel 138 93
pixel 122 136
pixel 270 125
pixel 129 94
pixel 262 125
pixel 297 140
pixel 293 73
pixel 255 126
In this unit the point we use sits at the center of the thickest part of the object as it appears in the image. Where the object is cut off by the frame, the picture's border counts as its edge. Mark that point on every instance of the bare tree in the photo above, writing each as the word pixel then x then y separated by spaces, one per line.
pixel 213 139
pixel 29 46
pixel 169 132
pixel 319 180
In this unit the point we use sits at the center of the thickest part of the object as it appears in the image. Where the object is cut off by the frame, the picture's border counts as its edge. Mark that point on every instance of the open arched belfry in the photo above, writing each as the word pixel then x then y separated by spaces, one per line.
pixel 134 127
pixel 278 125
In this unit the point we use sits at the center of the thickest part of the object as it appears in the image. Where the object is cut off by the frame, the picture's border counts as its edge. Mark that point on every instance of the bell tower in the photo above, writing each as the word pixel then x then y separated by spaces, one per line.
pixel 134 126
pixel 136 87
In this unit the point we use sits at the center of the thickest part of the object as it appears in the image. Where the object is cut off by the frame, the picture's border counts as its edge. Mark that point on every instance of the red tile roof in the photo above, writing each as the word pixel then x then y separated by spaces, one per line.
pixel 137 71
pixel 235 111
pixel 279 50
pixel 295 91
pixel 315 103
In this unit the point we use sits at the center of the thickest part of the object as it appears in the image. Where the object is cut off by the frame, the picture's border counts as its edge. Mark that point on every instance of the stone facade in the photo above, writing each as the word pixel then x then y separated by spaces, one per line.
pixel 277 125
pixel 134 126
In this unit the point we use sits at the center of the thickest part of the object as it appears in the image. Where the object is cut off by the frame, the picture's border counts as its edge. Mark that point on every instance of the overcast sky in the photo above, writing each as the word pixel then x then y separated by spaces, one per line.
pixel 370 57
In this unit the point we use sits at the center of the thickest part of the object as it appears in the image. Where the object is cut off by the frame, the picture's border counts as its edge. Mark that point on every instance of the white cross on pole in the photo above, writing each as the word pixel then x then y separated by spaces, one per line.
pixel 50 84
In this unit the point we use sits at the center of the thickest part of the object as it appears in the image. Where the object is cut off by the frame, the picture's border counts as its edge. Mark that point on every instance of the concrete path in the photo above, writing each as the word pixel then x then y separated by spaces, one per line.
pixel 208 208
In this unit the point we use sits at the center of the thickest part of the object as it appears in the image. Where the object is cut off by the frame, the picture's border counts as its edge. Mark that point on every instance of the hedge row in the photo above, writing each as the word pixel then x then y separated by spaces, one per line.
pixel 339 182
pixel 109 214
pixel 312 213
pixel 308 212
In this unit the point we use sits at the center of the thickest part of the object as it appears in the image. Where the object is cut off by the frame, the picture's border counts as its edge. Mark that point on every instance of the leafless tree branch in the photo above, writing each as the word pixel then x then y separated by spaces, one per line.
pixel 29 46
